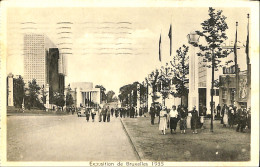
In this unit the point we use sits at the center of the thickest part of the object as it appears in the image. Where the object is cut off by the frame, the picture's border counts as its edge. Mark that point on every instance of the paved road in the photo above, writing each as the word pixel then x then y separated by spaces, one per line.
pixel 66 138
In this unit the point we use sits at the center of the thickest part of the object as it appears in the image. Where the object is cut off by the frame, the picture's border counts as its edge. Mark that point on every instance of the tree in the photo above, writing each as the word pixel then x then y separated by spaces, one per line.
pixel 102 92
pixel 182 71
pixel 165 78
pixel 58 99
pixel 18 91
pixel 34 91
pixel 110 94
pixel 69 100
pixel 214 34
pixel 128 94
pixel 152 81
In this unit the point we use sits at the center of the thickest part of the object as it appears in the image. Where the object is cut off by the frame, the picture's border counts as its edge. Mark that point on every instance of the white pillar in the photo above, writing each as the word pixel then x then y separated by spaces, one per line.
pixel 47 89
pixel 10 85
pixel 79 97
pixel 193 83
pixel 138 99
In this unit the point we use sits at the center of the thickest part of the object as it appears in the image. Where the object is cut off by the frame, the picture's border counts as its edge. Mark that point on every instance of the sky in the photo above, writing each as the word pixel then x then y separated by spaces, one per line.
pixel 113 46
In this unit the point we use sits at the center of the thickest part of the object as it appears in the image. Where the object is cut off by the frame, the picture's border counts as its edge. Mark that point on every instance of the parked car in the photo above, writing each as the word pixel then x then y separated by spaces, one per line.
pixel 81 112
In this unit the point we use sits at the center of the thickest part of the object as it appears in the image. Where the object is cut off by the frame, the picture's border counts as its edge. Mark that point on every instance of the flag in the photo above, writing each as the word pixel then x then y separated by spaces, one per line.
pixel 160 58
pixel 235 49
pixel 170 36
pixel 247 44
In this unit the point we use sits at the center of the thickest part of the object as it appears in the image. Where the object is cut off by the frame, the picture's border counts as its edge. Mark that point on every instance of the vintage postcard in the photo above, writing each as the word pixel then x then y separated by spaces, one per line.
pixel 129 83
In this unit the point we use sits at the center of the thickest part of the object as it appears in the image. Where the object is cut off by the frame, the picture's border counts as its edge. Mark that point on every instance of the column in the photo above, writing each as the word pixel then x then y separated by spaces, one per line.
pixel 10 86
pixel 138 99
pixel 193 83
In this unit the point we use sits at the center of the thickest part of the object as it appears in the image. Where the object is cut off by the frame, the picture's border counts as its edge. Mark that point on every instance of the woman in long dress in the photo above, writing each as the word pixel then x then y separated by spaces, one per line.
pixel 163 120
pixel 225 117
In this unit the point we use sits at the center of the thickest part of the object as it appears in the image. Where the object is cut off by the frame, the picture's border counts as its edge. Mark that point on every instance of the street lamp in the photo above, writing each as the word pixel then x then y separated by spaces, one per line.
pixel 193 38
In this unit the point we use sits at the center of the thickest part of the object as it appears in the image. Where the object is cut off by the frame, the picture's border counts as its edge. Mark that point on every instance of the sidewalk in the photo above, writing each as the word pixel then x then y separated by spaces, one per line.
pixel 224 144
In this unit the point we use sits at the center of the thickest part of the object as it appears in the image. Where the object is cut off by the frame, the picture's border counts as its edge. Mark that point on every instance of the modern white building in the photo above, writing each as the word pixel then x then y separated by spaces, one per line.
pixel 86 94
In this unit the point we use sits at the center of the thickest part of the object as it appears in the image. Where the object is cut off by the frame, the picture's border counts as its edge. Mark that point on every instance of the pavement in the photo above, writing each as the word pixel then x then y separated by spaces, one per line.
pixel 67 138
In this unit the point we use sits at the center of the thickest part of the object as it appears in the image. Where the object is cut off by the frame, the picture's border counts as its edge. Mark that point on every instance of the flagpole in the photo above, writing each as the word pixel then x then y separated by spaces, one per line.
pixel 248 67
pixel 236 67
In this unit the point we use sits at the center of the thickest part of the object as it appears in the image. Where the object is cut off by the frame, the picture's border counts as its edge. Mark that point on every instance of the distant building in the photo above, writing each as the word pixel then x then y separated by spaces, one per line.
pixel 85 95
pixel 227 90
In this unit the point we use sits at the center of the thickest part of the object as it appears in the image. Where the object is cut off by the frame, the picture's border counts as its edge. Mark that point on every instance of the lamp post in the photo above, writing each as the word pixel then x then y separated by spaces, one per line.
pixel 193 96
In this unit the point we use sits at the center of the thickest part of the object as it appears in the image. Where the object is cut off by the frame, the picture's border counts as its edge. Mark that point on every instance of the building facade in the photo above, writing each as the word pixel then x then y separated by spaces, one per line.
pixel 85 94
pixel 44 62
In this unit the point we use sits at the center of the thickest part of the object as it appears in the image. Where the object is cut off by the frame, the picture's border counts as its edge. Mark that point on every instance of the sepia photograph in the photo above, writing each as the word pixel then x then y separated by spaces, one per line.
pixel 156 83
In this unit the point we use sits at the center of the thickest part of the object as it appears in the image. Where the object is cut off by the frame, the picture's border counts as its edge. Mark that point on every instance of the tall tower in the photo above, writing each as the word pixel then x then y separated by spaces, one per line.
pixel 35 57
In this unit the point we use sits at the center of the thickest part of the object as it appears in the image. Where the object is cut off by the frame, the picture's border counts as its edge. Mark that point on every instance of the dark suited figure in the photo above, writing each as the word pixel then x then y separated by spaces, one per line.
pixel 112 112
pixel 194 119
pixel 108 114
pixel 116 112
pixel 218 111
pixel 249 118
pixel 152 113
pixel 87 111
pixel 121 112
pixel 241 120
pixel 104 114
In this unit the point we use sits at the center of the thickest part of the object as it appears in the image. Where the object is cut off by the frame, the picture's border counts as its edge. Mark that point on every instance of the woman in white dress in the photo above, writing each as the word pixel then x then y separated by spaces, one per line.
pixel 163 120
pixel 225 117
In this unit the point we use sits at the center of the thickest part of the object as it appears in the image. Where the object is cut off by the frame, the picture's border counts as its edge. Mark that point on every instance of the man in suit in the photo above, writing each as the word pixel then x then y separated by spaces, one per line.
pixel 108 114
pixel 152 113
pixel 104 114
pixel 241 120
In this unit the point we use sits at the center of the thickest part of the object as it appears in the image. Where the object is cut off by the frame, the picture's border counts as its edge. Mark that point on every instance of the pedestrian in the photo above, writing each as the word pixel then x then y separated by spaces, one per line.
pixel 249 118
pixel 121 112
pixel 104 113
pixel 241 120
pixel 201 114
pixel 116 112
pixel 93 113
pixel 222 113
pixel 225 116
pixel 163 122
pixel 218 111
pixel 87 112
pixel 183 120
pixel 231 116
pixel 194 120
pixel 108 114
pixel 99 114
pixel 152 113
pixel 173 119
pixel 140 112
pixel 112 112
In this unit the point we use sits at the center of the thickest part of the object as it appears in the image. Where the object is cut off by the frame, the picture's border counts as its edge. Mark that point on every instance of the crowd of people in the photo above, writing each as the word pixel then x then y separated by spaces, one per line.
pixel 106 112
pixel 232 115
pixel 169 118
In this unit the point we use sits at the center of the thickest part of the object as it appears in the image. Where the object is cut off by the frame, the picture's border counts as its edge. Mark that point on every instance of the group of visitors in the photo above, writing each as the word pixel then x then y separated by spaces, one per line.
pixel 170 118
pixel 231 116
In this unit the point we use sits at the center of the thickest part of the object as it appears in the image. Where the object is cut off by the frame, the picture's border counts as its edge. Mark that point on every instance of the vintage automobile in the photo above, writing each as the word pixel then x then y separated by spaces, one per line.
pixel 81 112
